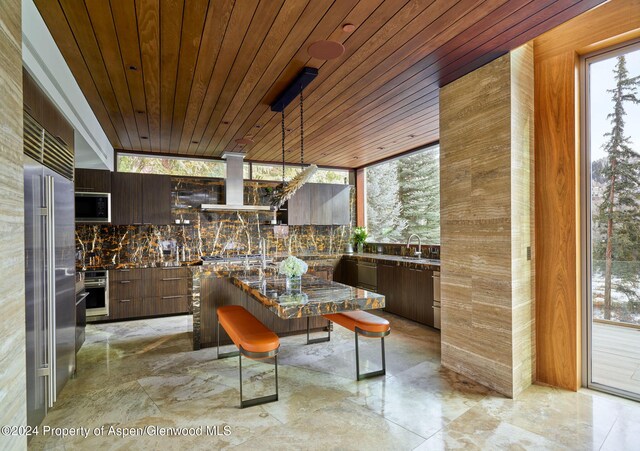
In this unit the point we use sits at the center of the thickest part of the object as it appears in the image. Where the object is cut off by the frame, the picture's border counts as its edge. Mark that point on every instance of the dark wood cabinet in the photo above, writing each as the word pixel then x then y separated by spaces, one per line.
pixel 408 292
pixel 135 293
pixel 388 284
pixel 45 112
pixel 126 198
pixel 299 207
pixel 347 272
pixel 424 296
pixel 156 199
pixel 93 180
pixel 140 199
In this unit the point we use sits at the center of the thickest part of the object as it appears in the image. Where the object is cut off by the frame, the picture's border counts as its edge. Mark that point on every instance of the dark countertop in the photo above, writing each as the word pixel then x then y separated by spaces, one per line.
pixel 315 261
pixel 397 259
pixel 316 297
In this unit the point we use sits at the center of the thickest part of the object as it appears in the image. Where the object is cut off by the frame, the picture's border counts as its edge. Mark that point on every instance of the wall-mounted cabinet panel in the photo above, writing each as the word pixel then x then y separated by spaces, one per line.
pixel 341 214
pixel 321 204
pixel 140 199
pixel 126 199
pixel 299 206
pixel 43 110
pixel 93 180
pixel 156 199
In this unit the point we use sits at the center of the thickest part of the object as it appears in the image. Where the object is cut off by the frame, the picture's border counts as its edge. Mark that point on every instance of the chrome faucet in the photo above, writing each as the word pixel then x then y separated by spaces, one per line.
pixel 418 253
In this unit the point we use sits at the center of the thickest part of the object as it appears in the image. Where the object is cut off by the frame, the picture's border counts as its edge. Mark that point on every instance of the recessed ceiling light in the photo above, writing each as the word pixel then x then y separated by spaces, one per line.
pixel 133 67
pixel 412 136
pixel 380 148
pixel 325 50
pixel 144 137
pixel 140 111
pixel 225 122
pixel 195 142
pixel 355 158
pixel 243 141
pixel 348 28
pixel 325 154
pixel 258 126
pixel 289 129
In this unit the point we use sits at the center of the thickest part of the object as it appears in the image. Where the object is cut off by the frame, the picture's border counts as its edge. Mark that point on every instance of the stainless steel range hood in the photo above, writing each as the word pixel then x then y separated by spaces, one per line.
pixel 234 187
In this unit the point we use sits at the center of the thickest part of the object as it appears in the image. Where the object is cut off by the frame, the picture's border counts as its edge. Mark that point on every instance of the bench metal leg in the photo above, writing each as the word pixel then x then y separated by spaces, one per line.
pixel 263 399
pixel 321 339
pixel 255 401
pixel 226 354
pixel 381 372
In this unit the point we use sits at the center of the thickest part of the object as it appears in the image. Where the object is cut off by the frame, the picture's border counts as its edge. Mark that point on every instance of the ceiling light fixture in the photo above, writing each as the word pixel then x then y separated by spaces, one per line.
pixel 133 67
pixel 325 50
pixel 283 192
pixel 348 28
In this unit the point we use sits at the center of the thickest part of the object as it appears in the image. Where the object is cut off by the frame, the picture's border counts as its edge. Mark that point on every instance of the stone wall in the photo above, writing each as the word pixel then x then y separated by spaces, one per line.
pixel 13 400
pixel 486 133
pixel 203 233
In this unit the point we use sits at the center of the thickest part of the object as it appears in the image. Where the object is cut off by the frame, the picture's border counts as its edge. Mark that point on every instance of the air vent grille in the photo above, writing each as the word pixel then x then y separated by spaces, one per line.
pixel 49 150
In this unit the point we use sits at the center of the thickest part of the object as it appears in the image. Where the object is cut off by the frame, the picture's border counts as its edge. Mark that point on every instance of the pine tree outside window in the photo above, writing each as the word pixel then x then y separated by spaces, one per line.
pixel 403 197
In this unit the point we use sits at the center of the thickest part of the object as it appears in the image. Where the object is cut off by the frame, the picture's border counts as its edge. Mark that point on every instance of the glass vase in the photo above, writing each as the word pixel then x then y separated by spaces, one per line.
pixel 293 284
pixel 360 248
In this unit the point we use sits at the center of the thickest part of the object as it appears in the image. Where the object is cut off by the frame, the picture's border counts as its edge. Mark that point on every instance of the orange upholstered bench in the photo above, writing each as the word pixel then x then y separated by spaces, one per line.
pixel 253 340
pixel 365 324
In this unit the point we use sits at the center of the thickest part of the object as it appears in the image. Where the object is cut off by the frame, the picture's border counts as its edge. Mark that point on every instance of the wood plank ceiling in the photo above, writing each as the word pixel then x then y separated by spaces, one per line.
pixel 191 77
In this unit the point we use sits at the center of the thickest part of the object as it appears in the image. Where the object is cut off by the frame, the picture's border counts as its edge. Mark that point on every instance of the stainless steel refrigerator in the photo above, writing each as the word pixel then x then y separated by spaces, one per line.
pixel 50 286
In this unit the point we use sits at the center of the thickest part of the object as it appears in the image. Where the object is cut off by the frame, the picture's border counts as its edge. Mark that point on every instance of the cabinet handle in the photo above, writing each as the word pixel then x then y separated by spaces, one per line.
pixel 125 300
pixel 125 281
pixel 124 270
pixel 169 268
pixel 171 278
pixel 172 297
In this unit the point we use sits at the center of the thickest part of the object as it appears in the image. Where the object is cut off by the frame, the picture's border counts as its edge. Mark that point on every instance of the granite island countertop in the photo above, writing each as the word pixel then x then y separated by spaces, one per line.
pixel 316 297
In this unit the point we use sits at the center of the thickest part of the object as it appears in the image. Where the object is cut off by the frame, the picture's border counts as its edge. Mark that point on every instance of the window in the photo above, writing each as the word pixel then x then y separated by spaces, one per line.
pixel 403 197
pixel 262 171
pixel 611 218
pixel 188 167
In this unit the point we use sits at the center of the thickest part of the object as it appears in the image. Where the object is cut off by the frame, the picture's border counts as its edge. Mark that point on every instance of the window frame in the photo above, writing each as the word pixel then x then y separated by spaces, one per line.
pixel 586 214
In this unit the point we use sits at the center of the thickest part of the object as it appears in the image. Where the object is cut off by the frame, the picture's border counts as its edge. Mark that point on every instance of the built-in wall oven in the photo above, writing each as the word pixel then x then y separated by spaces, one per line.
pixel 96 284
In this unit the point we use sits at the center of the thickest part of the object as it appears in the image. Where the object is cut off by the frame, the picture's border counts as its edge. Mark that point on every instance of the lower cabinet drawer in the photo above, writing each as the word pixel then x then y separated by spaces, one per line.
pixel 125 289
pixel 164 305
pixel 166 286
pixel 126 308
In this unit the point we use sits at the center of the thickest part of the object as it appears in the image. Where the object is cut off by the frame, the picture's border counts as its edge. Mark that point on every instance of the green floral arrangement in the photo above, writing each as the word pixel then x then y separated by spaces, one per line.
pixel 360 235
pixel 292 267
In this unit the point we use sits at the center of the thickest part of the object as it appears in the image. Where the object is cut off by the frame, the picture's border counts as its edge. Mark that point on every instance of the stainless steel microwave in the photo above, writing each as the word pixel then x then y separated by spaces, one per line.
pixel 93 207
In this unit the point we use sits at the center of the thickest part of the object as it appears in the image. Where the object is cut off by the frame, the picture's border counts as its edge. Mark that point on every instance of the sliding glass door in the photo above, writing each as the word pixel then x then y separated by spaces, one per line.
pixel 611 205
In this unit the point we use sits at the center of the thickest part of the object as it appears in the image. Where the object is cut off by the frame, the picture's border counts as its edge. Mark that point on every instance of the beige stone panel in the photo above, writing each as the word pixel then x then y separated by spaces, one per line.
pixel 498 377
pixel 12 305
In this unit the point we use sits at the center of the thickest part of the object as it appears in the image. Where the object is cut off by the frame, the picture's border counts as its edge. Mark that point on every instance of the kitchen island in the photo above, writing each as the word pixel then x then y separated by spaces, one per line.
pixel 263 294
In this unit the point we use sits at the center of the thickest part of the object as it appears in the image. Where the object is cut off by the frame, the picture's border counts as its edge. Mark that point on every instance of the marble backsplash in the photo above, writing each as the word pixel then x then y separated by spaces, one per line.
pixel 202 233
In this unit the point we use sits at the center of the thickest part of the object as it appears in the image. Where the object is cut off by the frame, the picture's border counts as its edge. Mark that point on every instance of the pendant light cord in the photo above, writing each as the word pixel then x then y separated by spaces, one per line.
pixel 301 129
pixel 283 146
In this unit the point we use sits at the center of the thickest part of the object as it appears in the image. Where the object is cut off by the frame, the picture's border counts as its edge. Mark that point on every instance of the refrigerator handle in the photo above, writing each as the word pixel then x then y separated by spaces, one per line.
pixel 51 286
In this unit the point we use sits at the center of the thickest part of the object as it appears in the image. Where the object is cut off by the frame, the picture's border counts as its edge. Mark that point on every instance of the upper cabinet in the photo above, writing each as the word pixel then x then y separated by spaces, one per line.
pixel 140 199
pixel 320 204
pixel 43 110
pixel 93 180
pixel 126 198
pixel 156 199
